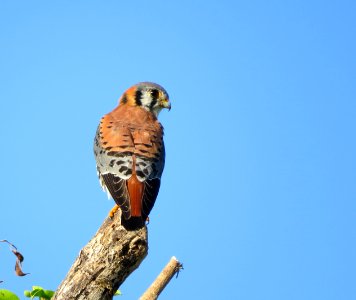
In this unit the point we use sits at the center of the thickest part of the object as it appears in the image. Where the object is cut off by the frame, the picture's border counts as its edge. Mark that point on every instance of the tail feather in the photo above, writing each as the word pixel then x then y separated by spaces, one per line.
pixel 133 223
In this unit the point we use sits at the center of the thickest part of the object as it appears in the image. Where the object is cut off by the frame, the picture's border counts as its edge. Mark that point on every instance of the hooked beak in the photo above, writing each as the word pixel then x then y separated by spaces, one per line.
pixel 166 104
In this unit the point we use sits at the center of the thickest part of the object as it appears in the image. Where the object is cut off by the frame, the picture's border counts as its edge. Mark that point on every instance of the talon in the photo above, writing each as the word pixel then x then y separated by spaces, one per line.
pixel 113 211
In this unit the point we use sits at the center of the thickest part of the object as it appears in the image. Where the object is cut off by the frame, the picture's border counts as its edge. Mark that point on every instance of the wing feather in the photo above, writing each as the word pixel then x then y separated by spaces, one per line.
pixel 149 196
pixel 118 190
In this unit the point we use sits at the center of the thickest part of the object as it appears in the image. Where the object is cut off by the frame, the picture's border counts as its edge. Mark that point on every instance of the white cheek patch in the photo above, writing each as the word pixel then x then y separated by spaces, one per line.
pixel 146 101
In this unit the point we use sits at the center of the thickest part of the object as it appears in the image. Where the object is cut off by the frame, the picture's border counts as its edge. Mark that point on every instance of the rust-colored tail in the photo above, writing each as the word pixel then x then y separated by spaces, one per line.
pixel 135 188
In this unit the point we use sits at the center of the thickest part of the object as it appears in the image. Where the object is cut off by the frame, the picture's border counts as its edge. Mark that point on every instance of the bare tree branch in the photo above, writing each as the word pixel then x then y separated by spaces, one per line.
pixel 104 263
pixel 173 267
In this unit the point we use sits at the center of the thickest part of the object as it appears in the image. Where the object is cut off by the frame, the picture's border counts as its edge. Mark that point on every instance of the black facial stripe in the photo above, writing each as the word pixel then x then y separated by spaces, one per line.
pixel 153 103
pixel 124 99
pixel 154 97
pixel 138 96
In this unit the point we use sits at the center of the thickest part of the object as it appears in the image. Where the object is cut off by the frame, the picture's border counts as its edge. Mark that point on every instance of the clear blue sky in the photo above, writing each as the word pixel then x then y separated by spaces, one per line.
pixel 258 198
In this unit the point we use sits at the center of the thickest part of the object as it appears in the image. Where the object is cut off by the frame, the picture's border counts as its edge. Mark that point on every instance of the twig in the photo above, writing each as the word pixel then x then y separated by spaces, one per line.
pixel 173 267
pixel 12 246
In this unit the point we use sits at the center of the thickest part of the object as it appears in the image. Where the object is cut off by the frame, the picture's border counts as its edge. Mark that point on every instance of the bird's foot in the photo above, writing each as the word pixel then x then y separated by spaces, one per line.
pixel 113 211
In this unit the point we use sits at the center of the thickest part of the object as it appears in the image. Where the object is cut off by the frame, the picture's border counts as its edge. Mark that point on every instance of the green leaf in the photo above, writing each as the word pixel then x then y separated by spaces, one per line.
pixel 27 294
pixel 39 292
pixel 7 295
pixel 49 294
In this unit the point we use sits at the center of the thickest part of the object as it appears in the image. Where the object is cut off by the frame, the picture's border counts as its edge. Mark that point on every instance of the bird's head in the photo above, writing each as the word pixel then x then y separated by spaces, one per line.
pixel 148 95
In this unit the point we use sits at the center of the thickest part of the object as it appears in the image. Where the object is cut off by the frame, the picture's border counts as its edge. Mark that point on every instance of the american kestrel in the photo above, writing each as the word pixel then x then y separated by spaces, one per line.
pixel 129 152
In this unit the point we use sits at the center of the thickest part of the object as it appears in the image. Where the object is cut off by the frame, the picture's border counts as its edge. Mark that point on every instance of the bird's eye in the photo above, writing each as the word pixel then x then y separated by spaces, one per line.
pixel 154 93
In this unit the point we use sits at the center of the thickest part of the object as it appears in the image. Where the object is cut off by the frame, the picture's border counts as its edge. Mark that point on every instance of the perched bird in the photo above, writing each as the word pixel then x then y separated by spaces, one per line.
pixel 129 152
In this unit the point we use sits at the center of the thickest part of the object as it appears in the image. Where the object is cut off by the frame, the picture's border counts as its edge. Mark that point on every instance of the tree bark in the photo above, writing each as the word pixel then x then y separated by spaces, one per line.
pixel 104 263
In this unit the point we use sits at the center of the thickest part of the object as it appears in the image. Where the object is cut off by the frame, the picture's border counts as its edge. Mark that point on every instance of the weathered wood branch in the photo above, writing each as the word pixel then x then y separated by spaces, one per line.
pixel 162 280
pixel 104 263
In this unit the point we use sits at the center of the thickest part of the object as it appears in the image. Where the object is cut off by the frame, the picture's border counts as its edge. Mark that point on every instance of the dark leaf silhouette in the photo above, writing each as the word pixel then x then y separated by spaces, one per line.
pixel 18 255
pixel 19 259
pixel 18 269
